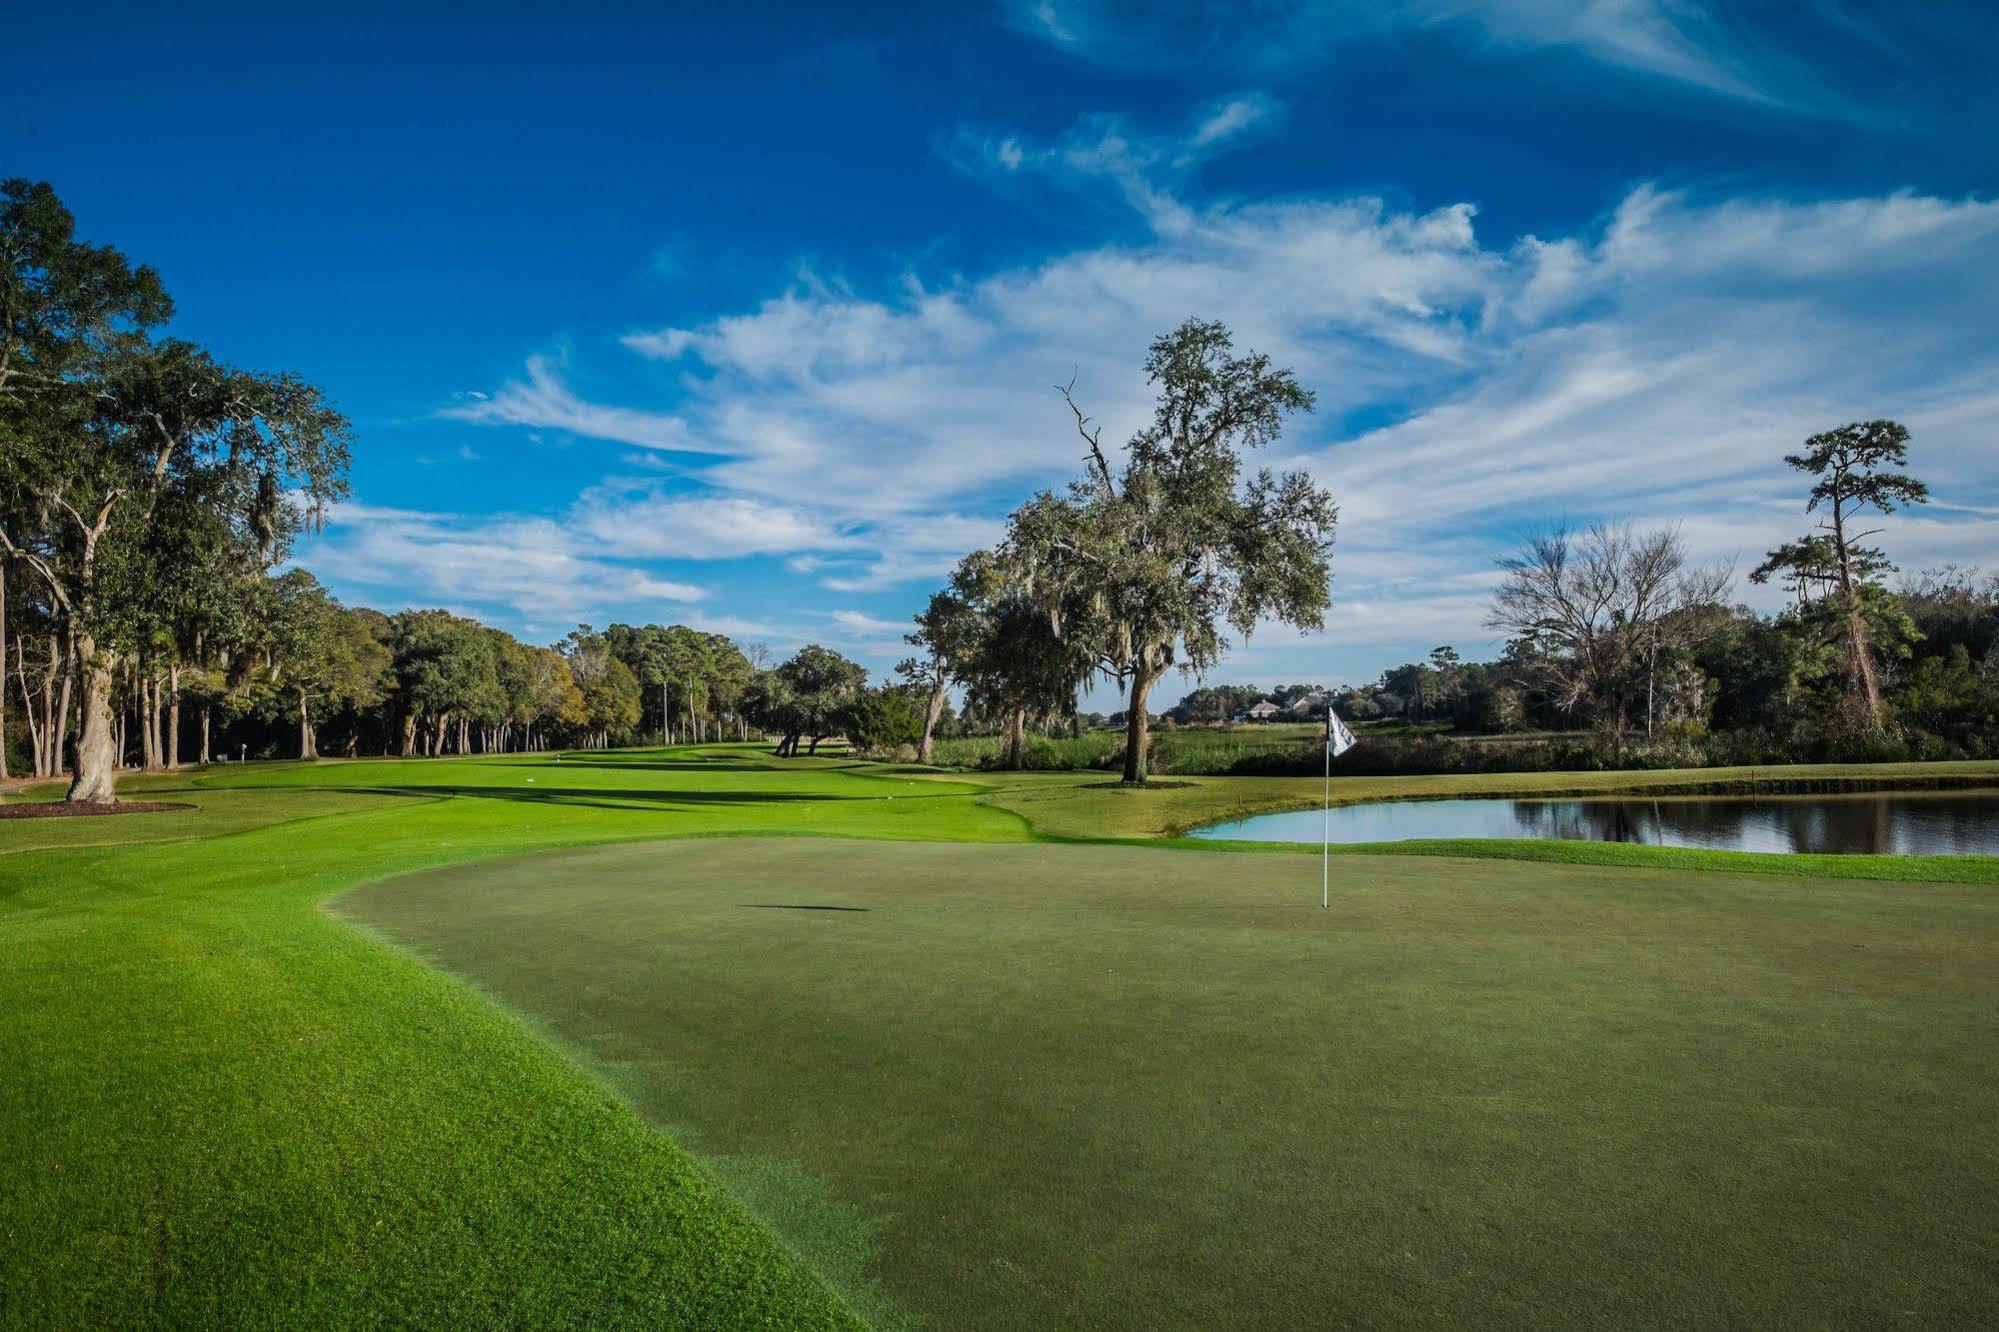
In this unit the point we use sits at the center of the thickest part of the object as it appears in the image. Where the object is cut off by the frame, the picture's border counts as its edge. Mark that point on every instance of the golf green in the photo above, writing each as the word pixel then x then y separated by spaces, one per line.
pixel 1033 1084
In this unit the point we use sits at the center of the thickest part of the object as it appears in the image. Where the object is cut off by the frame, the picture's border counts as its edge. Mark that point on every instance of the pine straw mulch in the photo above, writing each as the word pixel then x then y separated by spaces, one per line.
pixel 63 809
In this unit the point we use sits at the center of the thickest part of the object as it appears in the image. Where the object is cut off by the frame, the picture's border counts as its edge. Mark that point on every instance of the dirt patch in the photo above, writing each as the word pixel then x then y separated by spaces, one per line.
pixel 1155 784
pixel 63 809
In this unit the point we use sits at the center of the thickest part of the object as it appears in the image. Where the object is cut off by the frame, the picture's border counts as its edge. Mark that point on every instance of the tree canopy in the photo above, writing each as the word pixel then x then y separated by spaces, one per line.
pixel 1148 565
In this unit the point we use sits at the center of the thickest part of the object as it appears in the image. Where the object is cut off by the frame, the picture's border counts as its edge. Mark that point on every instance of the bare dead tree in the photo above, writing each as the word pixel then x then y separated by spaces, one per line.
pixel 1595 610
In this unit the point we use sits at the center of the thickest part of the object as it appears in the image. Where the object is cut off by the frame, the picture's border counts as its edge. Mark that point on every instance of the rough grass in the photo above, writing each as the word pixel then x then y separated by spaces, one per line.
pixel 219 1104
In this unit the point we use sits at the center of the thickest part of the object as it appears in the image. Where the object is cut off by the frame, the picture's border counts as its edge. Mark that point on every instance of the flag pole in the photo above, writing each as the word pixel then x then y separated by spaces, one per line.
pixel 1326 827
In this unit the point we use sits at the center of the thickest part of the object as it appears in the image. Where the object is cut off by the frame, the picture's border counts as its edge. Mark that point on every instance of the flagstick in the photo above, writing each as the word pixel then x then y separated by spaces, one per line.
pixel 1326 836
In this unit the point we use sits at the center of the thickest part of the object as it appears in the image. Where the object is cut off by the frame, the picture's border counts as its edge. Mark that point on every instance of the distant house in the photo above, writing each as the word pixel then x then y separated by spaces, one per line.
pixel 1307 707
pixel 1264 710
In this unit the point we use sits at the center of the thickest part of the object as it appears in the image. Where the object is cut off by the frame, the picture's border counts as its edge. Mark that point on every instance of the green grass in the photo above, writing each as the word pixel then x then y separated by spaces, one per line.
pixel 1107 1085
pixel 1510 1089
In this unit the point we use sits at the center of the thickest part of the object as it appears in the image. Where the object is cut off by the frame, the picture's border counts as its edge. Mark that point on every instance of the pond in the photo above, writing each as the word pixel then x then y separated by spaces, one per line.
pixel 1950 823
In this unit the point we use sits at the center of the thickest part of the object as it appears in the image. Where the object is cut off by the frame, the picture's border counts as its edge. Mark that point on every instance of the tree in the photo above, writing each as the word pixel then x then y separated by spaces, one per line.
pixel 323 656
pixel 885 719
pixel 1834 574
pixel 555 699
pixel 609 690
pixel 805 698
pixel 1448 666
pixel 100 422
pixel 1141 570
pixel 946 630
pixel 1218 703
pixel 1014 664
pixel 1592 611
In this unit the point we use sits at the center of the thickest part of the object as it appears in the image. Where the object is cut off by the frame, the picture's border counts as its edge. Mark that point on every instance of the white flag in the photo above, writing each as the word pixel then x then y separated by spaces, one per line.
pixel 1338 738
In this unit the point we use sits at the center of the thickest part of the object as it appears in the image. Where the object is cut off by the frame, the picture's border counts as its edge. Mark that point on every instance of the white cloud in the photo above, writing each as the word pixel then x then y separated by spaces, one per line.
pixel 535 568
pixel 1793 57
pixel 544 400
pixel 1230 118
pixel 652 524
pixel 1657 366
pixel 863 625
pixel 1144 167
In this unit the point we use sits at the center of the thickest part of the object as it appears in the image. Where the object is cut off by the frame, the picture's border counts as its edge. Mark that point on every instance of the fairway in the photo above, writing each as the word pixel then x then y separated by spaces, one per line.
pixel 1106 1085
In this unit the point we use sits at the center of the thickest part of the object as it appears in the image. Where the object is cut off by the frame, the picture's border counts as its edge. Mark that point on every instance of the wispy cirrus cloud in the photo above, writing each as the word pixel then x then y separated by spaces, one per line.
pixel 1815 57
pixel 1654 365
pixel 1147 167
pixel 543 400
pixel 527 568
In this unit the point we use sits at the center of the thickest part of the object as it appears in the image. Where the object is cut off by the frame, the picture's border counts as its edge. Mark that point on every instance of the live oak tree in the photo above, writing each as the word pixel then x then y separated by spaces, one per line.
pixel 321 656
pixel 1013 663
pixel 946 630
pixel 1833 572
pixel 805 698
pixel 67 310
pixel 1144 567
pixel 101 422
pixel 885 719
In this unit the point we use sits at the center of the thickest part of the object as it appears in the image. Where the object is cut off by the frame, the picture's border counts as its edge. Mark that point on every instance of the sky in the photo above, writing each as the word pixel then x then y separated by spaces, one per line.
pixel 752 317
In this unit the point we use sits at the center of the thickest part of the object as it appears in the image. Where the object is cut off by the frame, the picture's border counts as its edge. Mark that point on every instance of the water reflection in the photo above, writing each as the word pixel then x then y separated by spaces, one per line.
pixel 1899 823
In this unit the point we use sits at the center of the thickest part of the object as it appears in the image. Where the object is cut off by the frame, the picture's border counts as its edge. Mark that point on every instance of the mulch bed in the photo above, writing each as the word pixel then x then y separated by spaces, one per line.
pixel 62 809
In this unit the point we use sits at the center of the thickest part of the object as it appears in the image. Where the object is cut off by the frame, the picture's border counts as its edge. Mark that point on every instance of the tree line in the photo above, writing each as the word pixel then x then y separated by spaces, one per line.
pixel 1611 631
pixel 150 497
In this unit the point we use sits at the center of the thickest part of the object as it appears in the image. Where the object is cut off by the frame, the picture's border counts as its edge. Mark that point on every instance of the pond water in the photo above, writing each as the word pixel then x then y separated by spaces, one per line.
pixel 1949 823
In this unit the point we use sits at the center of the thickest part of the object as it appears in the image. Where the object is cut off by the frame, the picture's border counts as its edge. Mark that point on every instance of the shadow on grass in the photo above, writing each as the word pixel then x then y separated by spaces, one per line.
pixel 612 797
pixel 651 765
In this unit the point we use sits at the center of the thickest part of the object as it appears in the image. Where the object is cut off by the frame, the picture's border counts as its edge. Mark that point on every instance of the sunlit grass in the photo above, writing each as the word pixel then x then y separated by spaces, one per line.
pixel 222 1104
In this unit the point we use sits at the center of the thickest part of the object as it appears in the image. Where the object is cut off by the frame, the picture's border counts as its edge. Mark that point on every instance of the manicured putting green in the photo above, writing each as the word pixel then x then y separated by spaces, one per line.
pixel 1106 1085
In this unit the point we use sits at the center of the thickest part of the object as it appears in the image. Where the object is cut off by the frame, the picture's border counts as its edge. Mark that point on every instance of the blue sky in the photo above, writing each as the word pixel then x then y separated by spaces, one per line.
pixel 749 317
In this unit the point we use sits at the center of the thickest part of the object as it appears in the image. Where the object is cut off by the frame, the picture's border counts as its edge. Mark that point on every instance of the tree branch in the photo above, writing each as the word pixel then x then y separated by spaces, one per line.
pixel 1091 438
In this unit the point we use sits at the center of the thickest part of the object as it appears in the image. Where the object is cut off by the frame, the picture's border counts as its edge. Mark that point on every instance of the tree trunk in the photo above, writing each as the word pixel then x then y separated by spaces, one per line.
pixel 156 713
pixel 928 746
pixel 1015 745
pixel 409 735
pixel 307 749
pixel 121 728
pixel 173 715
pixel 207 717
pixel 3 674
pixel 95 782
pixel 1138 728
pixel 59 727
pixel 1863 686
pixel 1651 675
pixel 37 755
